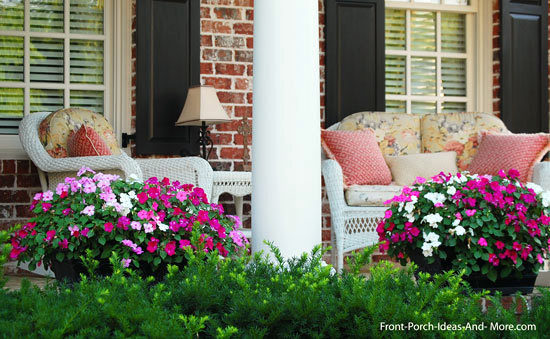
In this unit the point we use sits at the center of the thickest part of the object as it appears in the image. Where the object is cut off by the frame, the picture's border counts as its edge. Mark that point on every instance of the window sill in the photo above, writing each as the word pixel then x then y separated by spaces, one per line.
pixel 11 148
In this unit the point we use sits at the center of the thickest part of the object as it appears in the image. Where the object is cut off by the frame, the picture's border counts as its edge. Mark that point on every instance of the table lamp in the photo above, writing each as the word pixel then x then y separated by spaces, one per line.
pixel 202 108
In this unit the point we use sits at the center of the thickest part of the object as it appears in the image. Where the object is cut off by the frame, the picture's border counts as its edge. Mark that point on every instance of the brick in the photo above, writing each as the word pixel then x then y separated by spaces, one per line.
pixel 221 27
pixel 239 138
pixel 206 68
pixel 241 111
pixel 23 167
pixel 249 71
pixel 249 98
pixel 30 180
pixel 243 56
pixel 8 166
pixel 218 83
pixel 228 126
pixel 229 41
pixel 249 15
pixel 217 54
pixel 231 153
pixel 325 235
pixel 221 138
pixel 243 28
pixel 216 2
pixel 250 42
pixel 7 180
pixel 231 97
pixel 230 69
pixel 221 165
pixel 242 83
pixel 244 3
pixel 205 12
pixel 14 196
pixel 206 41
pixel 6 212
pixel 23 211
pixel 227 13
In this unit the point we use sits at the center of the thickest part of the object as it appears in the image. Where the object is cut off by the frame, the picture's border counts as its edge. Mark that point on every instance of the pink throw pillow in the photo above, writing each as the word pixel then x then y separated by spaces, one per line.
pixel 86 142
pixel 358 154
pixel 509 151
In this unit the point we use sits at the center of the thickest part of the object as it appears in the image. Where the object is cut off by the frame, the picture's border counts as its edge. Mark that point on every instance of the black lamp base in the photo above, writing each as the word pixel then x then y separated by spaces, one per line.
pixel 205 141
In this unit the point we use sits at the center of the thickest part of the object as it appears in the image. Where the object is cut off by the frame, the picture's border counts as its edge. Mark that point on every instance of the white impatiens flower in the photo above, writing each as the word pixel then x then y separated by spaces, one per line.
pixel 545 198
pixel 435 197
pixel 410 217
pixel 460 230
pixel 456 222
pixel 414 199
pixel 401 204
pixel 409 207
pixel 433 219
pixel 536 188
pixel 433 238
pixel 162 227
pixel 432 241
pixel 427 250
pixel 471 232
pixel 451 190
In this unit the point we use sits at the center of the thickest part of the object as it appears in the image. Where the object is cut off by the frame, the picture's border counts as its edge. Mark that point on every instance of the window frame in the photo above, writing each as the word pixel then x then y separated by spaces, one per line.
pixel 478 54
pixel 116 85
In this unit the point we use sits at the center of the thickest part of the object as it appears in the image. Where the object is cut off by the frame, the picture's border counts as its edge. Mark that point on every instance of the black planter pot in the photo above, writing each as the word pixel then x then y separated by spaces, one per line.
pixel 69 270
pixel 478 282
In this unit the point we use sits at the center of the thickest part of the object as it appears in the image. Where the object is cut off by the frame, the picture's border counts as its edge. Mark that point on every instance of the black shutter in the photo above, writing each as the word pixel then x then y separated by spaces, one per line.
pixel 524 65
pixel 168 51
pixel 354 58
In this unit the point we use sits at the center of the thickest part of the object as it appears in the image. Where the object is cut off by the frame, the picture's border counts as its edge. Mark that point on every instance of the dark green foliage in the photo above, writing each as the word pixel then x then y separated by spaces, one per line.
pixel 256 297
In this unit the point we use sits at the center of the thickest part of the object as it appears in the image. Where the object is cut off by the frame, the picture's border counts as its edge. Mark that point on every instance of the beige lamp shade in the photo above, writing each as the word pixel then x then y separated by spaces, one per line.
pixel 202 105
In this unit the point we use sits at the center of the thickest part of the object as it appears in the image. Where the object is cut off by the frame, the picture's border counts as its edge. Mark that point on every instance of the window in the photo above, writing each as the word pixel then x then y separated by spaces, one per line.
pixel 430 56
pixel 52 55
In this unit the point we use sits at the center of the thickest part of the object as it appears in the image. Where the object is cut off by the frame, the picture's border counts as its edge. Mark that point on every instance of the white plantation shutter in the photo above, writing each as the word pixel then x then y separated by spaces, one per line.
pixel 426 57
pixel 65 57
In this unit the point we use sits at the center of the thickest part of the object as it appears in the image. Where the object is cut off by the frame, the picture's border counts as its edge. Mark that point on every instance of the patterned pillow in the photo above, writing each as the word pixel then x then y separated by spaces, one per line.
pixel 358 154
pixel 54 130
pixel 86 142
pixel 457 132
pixel 396 133
pixel 510 151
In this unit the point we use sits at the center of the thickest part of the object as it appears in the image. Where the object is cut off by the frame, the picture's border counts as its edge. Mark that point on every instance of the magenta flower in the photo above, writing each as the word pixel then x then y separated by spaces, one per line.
pixel 184 243
pixel 108 226
pixel 67 211
pixel 46 206
pixel 142 197
pixel 85 232
pixel 540 259
pixel 517 246
pixel 152 245
pixel 64 243
pixel 388 214
pixel 49 235
pixel 75 231
pixel 482 242
pixel 470 212
pixel 499 244
pixel 493 259
pixel 170 248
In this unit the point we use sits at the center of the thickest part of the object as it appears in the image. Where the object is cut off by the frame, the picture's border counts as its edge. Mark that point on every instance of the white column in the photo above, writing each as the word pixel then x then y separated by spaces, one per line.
pixel 286 160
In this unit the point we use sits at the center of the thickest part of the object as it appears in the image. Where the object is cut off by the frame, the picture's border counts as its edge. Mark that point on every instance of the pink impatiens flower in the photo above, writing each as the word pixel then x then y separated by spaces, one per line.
pixel 75 231
pixel 540 259
pixel 493 259
pixel 64 243
pixel 126 262
pixel 108 226
pixel 184 243
pixel 85 232
pixel 49 235
pixel 388 214
pixel 482 242
pixel 152 245
pixel 47 196
pixel 88 210
pixel 142 197
pixel 170 248
pixel 499 244
pixel 470 212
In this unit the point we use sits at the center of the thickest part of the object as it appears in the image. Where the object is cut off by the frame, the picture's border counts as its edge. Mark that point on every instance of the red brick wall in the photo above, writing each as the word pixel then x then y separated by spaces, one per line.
pixel 18 184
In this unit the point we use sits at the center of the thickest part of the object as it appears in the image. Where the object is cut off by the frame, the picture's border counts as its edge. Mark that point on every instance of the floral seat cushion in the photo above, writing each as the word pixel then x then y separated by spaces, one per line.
pixel 457 132
pixel 396 133
pixel 55 129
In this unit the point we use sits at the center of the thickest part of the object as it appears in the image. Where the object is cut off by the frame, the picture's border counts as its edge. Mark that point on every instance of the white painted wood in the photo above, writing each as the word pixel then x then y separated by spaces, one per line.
pixel 286 162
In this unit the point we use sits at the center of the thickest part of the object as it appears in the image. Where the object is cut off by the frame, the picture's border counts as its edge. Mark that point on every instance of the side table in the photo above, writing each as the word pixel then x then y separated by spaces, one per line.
pixel 237 184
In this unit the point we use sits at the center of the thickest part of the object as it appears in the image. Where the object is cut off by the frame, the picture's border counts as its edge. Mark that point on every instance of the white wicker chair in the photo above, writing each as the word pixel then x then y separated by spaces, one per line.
pixel 352 227
pixel 191 170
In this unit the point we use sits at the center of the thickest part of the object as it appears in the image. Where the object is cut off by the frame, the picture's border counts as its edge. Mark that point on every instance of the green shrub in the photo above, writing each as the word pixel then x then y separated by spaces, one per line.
pixel 256 297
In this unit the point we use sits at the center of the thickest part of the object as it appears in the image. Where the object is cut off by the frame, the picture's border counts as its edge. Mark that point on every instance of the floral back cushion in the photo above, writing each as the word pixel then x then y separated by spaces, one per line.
pixel 396 133
pixel 457 132
pixel 54 130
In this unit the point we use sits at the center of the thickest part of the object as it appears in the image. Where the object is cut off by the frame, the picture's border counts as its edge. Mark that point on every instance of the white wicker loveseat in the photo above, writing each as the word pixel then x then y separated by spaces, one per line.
pixel 192 170
pixel 354 217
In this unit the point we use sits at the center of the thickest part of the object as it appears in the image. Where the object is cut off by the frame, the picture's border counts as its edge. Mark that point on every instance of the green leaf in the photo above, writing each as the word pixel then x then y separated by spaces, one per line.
pixel 136 263
pixel 492 275
pixel 452 242
pixel 60 256
pixel 477 254
pixel 119 238
pixel 163 255
pixel 506 272
pixel 442 255
pixel 475 268
pixel 101 240
pixel 485 269
pixel 156 262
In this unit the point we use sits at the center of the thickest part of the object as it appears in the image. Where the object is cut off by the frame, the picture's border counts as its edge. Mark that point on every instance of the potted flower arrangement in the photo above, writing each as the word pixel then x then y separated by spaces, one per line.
pixel 148 225
pixel 495 228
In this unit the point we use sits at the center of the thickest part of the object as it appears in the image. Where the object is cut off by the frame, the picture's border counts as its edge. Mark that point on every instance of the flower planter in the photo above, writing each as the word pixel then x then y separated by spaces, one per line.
pixel 507 286
pixel 69 270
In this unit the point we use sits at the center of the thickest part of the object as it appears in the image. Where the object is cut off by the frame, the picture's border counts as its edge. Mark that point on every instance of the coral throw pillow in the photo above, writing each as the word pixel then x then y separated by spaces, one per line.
pixel 86 142
pixel 509 151
pixel 358 154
